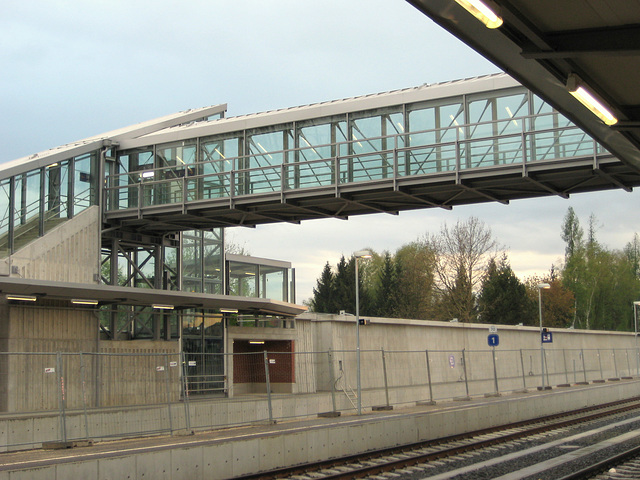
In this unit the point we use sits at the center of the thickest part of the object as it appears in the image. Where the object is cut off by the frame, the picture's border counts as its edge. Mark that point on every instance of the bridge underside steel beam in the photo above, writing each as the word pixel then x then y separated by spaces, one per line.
pixel 391 195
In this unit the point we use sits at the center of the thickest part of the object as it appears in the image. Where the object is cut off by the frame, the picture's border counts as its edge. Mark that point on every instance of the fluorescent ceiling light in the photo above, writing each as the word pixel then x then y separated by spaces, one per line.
pixel 162 307
pixel 228 310
pixel 149 174
pixel 80 301
pixel 256 342
pixel 22 298
pixel 482 12
pixel 589 100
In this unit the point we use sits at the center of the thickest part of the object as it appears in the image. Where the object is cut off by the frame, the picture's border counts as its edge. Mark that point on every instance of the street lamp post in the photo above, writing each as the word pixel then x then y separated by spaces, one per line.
pixel 357 255
pixel 541 286
pixel 635 330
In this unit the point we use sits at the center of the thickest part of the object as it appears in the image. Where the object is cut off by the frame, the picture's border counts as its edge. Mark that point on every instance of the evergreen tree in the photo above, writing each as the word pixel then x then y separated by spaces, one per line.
pixel 323 301
pixel 503 298
pixel 344 286
pixel 386 295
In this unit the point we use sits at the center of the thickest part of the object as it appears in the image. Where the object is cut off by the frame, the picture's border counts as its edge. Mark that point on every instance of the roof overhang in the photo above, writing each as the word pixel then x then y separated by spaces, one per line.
pixel 112 295
pixel 542 42
pixel 115 137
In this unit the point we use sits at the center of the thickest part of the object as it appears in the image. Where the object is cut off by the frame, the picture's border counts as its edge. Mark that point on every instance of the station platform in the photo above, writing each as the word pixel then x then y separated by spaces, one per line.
pixel 233 452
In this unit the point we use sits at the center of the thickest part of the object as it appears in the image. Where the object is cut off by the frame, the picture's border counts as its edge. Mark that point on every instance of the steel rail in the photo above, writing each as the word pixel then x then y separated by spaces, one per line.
pixel 356 466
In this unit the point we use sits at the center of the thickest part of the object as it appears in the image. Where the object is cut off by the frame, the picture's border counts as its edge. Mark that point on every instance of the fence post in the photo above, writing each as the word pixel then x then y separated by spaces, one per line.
pixel 61 398
pixel 546 367
pixel 615 365
pixel 84 397
pixel 600 363
pixel 464 369
pixel 564 361
pixel 185 392
pixel 332 380
pixel 168 389
pixel 626 352
pixel 524 381
pixel 268 383
pixel 495 370
pixel 584 367
pixel 429 379
pixel 384 371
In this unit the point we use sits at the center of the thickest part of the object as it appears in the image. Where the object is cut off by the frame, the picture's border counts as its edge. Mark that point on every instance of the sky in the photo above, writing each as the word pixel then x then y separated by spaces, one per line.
pixel 73 69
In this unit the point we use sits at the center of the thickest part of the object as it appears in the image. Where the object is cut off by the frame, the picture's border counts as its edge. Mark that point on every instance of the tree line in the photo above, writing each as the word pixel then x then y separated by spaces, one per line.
pixel 462 274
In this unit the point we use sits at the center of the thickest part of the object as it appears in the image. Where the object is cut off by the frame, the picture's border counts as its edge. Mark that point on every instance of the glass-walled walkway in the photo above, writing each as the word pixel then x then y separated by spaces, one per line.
pixel 481 132
pixel 483 139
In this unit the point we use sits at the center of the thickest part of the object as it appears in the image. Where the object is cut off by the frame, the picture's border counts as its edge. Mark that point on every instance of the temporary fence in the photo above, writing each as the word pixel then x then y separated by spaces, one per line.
pixel 67 397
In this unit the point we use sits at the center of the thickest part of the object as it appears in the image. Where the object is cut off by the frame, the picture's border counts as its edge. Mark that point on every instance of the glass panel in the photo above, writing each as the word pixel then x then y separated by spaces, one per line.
pixel 171 275
pixel 242 279
pixel 272 283
pixel 143 320
pixel 124 274
pixel 132 166
pixel 259 180
pixel 145 275
pixel 451 117
pixel 491 118
pixel 213 185
pixel 5 214
pixel 220 153
pixel 191 262
pixel 56 194
pixel 26 208
pixel 176 154
pixel 433 133
pixel 554 135
pixel 372 139
pixel 213 266
pixel 266 149
pixel 83 187
pixel 316 147
pixel 314 142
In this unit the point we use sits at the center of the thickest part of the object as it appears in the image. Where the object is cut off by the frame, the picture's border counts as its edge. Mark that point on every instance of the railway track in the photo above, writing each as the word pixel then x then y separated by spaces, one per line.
pixel 550 447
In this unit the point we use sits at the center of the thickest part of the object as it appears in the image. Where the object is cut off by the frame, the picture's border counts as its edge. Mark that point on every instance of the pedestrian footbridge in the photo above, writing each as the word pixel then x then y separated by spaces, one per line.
pixel 477 140
pixel 485 139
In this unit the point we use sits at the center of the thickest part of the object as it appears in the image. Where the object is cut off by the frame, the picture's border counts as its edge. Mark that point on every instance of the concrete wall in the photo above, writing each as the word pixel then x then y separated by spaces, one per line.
pixel 249 452
pixel 460 360
pixel 68 253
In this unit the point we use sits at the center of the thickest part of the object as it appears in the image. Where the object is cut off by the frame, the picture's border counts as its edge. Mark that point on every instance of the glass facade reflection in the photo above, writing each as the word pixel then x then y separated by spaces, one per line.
pixel 260 278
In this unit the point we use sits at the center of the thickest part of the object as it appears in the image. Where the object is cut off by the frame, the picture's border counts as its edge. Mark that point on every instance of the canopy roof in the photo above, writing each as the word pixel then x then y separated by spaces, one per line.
pixel 107 294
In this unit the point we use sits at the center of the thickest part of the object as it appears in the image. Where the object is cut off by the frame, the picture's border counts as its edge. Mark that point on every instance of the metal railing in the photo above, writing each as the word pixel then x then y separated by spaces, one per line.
pixel 429 152
pixel 73 396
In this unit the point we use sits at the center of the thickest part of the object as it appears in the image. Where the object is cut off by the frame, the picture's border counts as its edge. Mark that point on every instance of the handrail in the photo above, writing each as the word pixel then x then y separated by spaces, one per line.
pixel 349 166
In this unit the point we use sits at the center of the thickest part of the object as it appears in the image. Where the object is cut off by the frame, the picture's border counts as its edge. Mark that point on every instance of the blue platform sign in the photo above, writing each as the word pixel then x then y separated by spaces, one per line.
pixel 493 340
pixel 547 337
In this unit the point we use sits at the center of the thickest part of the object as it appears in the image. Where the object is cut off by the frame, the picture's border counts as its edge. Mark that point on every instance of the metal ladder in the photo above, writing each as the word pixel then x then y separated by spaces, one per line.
pixel 345 387
pixel 351 395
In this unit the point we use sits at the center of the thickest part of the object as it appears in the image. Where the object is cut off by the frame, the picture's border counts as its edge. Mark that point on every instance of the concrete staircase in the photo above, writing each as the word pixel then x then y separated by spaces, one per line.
pixel 26 233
